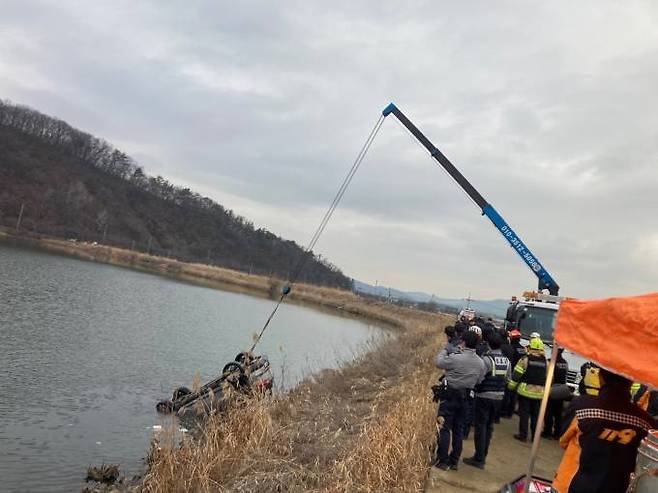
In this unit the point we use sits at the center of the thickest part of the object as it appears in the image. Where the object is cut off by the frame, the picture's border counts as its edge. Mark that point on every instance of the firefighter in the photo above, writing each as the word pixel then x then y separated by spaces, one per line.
pixel 463 371
pixel 646 399
pixel 528 380
pixel 509 401
pixel 553 419
pixel 589 379
pixel 602 439
pixel 488 398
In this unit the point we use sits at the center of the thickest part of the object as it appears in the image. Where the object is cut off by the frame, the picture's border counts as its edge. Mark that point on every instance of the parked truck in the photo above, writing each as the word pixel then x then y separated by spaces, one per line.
pixel 536 313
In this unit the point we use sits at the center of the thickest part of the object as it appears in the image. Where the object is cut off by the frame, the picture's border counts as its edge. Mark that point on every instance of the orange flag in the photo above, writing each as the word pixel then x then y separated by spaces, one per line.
pixel 620 334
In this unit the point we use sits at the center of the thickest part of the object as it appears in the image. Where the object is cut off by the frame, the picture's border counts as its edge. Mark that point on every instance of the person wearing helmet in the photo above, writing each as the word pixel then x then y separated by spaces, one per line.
pixel 528 379
pixel 482 346
pixel 509 401
pixel 519 349
pixel 601 439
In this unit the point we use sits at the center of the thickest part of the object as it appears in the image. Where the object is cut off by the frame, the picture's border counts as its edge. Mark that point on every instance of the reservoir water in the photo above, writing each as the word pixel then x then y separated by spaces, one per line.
pixel 86 350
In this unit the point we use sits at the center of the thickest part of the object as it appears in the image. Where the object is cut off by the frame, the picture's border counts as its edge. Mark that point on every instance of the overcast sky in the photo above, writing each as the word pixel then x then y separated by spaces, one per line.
pixel 549 108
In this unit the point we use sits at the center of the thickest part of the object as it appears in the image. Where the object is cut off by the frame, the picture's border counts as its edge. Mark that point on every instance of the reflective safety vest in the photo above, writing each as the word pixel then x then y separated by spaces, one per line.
pixel 495 380
pixel 535 373
pixel 529 376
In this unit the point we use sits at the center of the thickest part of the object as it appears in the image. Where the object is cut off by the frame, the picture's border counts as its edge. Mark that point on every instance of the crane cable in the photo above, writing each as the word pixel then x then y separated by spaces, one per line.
pixel 323 224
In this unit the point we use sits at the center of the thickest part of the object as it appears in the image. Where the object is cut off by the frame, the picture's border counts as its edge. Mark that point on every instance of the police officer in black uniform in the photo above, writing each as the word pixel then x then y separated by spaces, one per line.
pixel 488 399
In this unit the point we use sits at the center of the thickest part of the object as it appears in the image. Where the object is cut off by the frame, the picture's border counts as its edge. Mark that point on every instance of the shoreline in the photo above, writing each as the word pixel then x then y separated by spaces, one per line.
pixel 331 300
pixel 315 436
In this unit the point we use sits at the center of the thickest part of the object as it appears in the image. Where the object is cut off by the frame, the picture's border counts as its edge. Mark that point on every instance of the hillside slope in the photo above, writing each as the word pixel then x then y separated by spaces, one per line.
pixel 74 185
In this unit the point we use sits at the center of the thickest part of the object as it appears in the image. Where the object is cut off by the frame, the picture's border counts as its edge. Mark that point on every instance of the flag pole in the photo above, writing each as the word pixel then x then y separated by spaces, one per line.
pixel 542 413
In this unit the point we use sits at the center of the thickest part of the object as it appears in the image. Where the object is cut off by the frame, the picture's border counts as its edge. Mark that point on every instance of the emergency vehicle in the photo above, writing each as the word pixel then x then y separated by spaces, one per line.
pixel 536 313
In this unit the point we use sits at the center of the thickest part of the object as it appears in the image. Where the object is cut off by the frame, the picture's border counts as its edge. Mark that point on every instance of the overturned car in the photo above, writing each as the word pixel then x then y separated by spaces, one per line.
pixel 247 374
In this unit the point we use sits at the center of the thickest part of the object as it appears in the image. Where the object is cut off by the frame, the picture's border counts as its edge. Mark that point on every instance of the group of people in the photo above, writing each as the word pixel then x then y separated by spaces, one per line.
pixel 486 372
pixel 489 373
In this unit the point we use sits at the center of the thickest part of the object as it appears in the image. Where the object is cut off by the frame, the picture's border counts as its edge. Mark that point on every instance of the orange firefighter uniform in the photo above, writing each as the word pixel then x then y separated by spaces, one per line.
pixel 601 443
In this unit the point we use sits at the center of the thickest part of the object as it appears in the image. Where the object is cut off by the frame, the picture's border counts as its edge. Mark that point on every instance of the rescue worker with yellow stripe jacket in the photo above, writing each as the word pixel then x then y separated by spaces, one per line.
pixel 602 439
pixel 528 378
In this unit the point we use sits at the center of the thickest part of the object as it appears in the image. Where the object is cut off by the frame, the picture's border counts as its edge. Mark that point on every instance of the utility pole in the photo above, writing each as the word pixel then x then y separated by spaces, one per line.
pixel 20 217
pixel 132 246
pixel 104 233
pixel 148 248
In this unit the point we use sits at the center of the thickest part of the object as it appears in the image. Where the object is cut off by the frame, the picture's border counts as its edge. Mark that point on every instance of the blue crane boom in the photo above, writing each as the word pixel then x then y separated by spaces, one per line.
pixel 546 281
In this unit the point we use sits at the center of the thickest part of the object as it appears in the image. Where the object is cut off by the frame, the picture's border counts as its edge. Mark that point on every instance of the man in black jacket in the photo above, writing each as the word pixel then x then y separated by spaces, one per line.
pixel 518 351
pixel 553 419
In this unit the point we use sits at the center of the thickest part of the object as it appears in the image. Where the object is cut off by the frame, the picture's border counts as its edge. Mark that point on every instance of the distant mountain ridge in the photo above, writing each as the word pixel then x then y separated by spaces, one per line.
pixel 67 183
pixel 496 308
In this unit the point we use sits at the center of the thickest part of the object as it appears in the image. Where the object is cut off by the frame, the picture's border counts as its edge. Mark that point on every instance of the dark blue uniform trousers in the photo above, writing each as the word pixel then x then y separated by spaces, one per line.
pixel 452 409
pixel 485 416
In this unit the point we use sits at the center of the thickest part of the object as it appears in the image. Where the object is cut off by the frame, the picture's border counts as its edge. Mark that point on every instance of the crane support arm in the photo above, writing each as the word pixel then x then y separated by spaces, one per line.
pixel 546 281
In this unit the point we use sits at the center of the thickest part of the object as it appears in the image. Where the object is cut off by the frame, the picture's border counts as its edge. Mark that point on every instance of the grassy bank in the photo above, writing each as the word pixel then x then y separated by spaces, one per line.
pixel 368 426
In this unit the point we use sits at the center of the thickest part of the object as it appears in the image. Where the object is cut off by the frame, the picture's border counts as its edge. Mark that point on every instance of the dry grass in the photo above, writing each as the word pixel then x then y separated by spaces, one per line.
pixel 392 454
pixel 366 427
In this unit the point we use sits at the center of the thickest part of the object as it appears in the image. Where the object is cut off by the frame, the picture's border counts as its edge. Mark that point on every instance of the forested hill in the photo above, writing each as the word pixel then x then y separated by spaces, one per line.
pixel 74 185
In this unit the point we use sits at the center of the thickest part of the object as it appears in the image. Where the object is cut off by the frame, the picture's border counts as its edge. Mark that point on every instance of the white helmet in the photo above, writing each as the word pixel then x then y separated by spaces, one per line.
pixel 535 335
pixel 476 329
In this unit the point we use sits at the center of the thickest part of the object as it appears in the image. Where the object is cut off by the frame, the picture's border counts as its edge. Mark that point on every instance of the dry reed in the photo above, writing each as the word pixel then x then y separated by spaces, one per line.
pixel 365 427
pixel 368 426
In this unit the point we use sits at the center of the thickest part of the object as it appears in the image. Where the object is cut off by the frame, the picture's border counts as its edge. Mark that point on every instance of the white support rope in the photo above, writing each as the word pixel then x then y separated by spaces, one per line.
pixel 323 224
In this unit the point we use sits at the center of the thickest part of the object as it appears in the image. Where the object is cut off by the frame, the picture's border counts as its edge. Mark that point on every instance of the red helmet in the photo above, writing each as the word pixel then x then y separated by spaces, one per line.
pixel 515 334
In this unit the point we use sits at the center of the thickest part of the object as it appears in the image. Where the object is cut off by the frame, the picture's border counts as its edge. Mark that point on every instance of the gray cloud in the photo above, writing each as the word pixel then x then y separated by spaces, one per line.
pixel 548 108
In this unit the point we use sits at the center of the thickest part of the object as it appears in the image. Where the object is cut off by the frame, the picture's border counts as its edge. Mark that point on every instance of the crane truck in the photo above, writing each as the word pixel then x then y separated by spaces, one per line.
pixel 537 311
